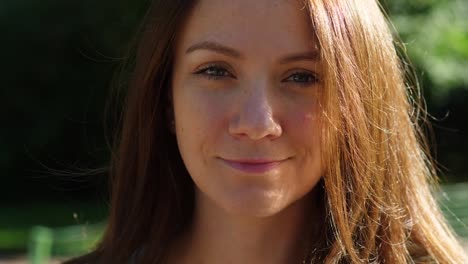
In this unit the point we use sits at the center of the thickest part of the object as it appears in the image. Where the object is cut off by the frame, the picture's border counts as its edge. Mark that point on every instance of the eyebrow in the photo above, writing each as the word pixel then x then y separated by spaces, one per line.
pixel 219 48
pixel 216 47
pixel 308 55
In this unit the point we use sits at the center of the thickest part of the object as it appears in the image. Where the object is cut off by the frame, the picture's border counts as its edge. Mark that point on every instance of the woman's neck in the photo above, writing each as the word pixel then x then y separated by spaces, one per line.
pixel 218 237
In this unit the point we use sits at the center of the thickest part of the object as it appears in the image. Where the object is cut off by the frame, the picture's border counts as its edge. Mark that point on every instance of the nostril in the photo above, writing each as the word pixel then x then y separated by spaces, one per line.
pixel 255 128
pixel 254 117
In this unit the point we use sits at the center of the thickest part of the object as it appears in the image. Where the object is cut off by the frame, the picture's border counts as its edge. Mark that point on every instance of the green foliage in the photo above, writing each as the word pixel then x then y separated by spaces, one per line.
pixel 436 36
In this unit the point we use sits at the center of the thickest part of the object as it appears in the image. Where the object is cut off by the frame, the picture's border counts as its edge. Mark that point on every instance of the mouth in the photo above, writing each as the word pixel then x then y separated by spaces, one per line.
pixel 256 166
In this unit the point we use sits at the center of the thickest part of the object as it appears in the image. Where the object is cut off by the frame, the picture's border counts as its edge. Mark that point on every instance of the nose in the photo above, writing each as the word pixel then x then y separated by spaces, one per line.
pixel 254 118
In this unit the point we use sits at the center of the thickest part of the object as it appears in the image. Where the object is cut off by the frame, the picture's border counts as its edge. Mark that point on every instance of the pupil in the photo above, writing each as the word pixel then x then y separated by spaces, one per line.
pixel 215 71
pixel 302 78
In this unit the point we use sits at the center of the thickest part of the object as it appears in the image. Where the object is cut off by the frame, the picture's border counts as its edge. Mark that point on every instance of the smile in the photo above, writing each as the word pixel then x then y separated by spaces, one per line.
pixel 253 166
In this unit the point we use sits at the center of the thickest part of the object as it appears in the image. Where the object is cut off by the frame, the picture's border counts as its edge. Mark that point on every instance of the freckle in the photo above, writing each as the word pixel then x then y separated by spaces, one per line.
pixel 308 116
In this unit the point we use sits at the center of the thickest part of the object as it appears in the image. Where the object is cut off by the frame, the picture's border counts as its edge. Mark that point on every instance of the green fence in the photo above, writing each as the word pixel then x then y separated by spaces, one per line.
pixel 62 242
pixel 46 242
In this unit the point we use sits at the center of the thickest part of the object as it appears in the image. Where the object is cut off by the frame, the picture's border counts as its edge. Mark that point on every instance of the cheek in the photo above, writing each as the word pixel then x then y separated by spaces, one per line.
pixel 306 125
pixel 311 136
pixel 305 132
pixel 199 118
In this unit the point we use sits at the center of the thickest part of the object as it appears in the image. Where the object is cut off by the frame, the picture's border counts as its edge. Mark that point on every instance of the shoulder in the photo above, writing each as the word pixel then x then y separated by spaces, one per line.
pixel 136 255
pixel 91 258
pixel 95 258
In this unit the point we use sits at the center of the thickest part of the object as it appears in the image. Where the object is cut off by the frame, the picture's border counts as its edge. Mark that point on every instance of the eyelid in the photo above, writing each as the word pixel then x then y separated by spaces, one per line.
pixel 303 71
pixel 221 65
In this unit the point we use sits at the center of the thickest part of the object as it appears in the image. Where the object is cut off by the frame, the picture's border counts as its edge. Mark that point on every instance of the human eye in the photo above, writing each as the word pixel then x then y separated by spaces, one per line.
pixel 302 78
pixel 214 72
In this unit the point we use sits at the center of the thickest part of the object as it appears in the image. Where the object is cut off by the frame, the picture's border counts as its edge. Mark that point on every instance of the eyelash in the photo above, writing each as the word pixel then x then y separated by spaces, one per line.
pixel 203 71
pixel 312 77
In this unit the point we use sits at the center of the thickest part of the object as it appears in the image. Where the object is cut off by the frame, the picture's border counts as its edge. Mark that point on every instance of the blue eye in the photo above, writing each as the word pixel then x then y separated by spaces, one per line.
pixel 302 78
pixel 214 72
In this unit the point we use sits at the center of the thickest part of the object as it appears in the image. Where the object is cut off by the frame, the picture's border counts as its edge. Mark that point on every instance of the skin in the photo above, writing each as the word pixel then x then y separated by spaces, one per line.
pixel 245 86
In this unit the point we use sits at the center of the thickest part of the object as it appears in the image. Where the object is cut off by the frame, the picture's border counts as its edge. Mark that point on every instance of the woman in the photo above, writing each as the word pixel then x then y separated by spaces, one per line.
pixel 271 131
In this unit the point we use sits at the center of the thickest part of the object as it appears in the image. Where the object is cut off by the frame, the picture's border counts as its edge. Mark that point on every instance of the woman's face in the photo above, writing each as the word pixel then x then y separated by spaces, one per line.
pixel 246 85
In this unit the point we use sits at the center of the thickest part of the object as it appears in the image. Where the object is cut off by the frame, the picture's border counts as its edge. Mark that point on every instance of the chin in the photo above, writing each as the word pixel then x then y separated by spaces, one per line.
pixel 254 203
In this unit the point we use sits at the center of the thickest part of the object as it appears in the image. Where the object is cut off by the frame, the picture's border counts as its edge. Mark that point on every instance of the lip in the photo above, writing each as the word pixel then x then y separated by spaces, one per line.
pixel 253 165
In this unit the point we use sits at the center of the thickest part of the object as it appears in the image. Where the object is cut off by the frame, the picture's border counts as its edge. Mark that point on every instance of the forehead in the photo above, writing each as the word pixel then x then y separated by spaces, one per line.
pixel 252 26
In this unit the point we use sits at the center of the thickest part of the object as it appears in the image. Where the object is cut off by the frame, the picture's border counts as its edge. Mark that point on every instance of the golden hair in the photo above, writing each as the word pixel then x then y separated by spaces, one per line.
pixel 378 169
pixel 376 190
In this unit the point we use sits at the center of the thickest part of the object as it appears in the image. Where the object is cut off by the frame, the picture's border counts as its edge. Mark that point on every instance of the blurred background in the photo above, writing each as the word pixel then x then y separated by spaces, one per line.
pixel 59 60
